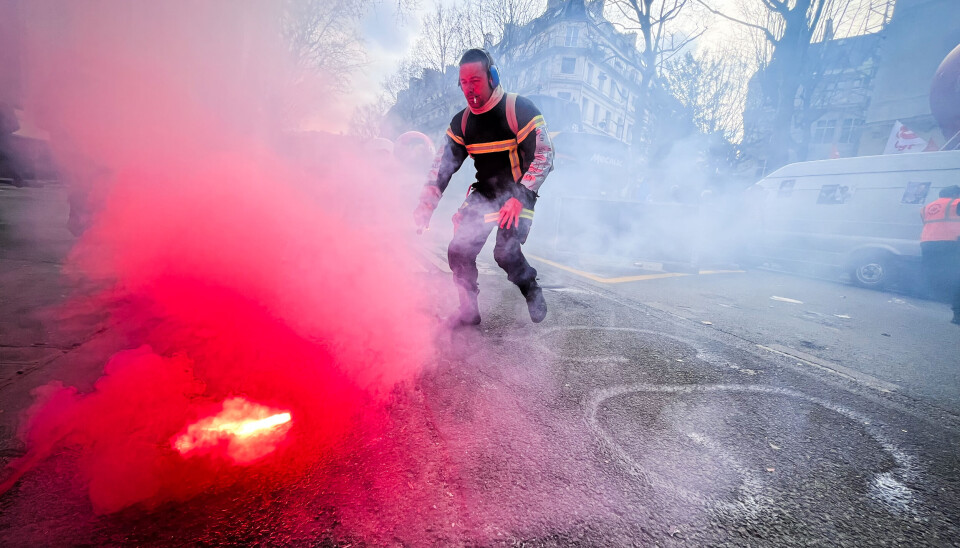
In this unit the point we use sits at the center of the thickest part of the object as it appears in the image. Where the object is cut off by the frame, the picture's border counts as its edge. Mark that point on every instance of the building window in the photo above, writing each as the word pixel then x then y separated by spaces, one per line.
pixel 589 74
pixel 850 130
pixel 596 114
pixel 564 95
pixel 824 131
pixel 573 37
pixel 586 103
pixel 568 65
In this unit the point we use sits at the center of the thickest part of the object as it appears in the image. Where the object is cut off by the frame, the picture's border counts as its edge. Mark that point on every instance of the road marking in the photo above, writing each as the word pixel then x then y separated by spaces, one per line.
pixel 888 489
pixel 702 272
pixel 830 367
pixel 785 300
pixel 436 261
pixel 625 279
pixel 941 420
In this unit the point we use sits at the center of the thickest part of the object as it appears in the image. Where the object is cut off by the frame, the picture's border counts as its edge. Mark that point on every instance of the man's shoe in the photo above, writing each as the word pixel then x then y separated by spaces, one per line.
pixel 470 318
pixel 469 311
pixel 536 304
pixel 462 319
pixel 956 318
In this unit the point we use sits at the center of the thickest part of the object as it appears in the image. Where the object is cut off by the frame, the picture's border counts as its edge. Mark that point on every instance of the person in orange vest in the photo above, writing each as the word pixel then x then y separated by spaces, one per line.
pixel 940 246
pixel 507 138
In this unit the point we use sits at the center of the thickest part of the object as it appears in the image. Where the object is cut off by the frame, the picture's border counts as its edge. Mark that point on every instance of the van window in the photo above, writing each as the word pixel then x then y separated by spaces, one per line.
pixel 916 193
pixel 786 188
pixel 834 194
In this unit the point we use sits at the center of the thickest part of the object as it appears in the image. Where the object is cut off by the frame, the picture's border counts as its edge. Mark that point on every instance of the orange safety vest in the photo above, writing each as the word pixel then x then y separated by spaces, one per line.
pixel 940 220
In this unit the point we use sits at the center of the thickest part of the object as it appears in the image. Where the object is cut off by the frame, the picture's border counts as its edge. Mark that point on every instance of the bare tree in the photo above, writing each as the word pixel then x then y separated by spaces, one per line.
pixel 324 35
pixel 448 31
pixel 660 38
pixel 654 20
pixel 392 85
pixel 500 22
pixel 443 37
pixel 789 27
pixel 709 86
pixel 367 119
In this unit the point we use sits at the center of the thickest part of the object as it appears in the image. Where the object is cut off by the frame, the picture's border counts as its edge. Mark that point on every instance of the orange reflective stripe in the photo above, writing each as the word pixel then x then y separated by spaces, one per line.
pixel 496 146
pixel 535 123
pixel 453 136
pixel 494 217
pixel 515 165
pixel 508 142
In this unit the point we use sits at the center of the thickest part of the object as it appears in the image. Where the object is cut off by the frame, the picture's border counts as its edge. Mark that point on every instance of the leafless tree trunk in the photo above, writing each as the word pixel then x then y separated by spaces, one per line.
pixel 789 27
pixel 655 22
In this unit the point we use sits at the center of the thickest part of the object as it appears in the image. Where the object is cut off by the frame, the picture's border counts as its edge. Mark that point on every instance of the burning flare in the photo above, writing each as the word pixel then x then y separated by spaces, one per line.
pixel 245 430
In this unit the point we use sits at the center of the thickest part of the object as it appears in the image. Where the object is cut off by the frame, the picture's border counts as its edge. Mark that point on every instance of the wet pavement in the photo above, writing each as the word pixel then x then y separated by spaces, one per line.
pixel 638 414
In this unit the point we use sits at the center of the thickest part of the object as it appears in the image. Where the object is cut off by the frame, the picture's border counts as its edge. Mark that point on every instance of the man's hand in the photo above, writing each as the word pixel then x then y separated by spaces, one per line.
pixel 510 213
pixel 421 216
pixel 429 197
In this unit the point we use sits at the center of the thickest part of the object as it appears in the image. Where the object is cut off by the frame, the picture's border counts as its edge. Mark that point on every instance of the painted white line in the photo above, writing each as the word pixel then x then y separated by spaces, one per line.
pixel 888 488
pixel 830 367
pixel 751 498
pixel 435 261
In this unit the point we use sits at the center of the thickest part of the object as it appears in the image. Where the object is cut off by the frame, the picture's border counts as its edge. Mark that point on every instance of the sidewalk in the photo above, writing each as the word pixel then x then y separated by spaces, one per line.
pixel 40 340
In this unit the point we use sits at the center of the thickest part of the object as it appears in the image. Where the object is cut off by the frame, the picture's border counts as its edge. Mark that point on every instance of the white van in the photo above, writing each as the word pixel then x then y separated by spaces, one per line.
pixel 859 216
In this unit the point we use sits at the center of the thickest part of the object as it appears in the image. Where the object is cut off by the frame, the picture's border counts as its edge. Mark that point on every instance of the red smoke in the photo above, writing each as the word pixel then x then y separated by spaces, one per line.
pixel 235 271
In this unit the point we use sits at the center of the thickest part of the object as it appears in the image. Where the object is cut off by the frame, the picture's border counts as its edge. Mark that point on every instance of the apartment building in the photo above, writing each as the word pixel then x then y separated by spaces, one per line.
pixel 573 53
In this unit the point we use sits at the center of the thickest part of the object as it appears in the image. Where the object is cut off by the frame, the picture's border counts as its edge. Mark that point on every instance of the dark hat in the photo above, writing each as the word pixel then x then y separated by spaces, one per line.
pixel 952 191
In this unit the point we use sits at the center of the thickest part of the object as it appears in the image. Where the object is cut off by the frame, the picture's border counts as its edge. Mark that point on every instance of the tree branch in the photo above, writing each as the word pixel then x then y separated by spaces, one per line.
pixel 779 7
pixel 766 32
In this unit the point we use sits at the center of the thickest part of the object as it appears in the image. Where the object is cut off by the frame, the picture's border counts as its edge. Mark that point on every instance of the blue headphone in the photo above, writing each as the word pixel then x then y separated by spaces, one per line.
pixel 492 70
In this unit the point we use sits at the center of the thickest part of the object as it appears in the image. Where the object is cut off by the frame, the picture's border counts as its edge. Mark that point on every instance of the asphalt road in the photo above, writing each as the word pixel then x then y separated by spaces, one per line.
pixel 649 409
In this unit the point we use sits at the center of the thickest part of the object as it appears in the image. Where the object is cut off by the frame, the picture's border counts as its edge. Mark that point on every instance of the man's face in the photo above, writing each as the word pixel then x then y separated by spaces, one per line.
pixel 475 84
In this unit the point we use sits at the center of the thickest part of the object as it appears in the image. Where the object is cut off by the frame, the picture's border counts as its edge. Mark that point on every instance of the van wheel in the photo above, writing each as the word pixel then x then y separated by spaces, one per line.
pixel 873 271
